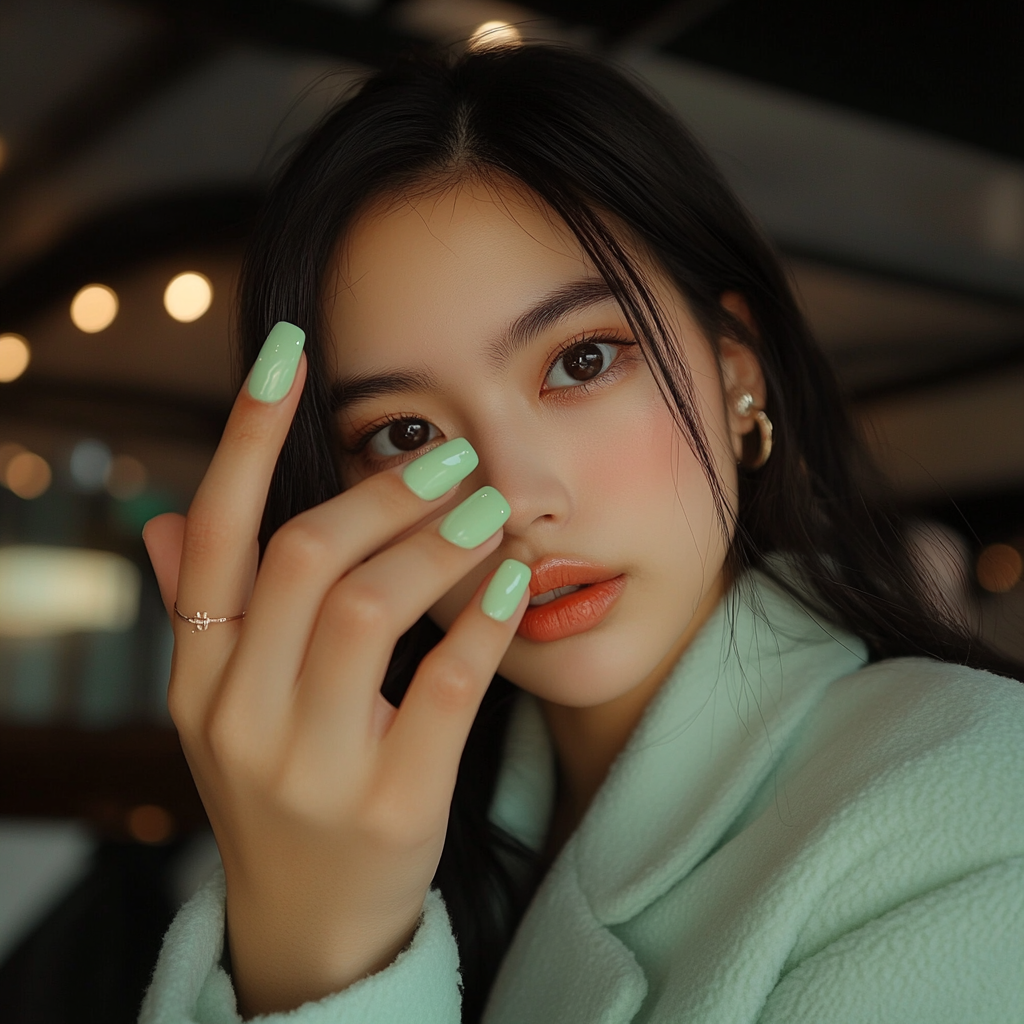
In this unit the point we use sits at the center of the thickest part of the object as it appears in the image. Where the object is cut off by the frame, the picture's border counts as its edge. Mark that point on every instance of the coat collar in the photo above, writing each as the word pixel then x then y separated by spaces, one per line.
pixel 705 745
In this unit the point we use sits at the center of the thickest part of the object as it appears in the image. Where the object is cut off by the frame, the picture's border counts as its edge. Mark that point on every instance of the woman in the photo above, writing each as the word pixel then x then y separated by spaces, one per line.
pixel 684 772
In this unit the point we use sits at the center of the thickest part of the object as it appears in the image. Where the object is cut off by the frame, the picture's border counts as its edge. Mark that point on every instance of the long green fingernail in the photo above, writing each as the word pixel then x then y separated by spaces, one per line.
pixel 505 590
pixel 440 469
pixel 479 516
pixel 275 367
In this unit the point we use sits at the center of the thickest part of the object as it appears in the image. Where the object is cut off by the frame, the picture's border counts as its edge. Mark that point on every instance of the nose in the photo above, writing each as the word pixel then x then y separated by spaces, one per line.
pixel 528 472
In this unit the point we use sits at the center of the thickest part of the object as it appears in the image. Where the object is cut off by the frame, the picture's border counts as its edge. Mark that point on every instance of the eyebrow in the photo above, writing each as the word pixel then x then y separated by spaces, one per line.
pixel 557 305
pixel 363 386
pixel 565 300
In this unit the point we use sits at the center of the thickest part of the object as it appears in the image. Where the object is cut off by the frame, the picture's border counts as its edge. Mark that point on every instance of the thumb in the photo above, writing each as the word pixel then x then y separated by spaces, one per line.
pixel 163 536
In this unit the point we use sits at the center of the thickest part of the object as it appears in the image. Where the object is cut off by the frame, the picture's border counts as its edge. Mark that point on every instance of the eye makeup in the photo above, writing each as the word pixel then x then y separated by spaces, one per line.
pixel 606 375
pixel 363 444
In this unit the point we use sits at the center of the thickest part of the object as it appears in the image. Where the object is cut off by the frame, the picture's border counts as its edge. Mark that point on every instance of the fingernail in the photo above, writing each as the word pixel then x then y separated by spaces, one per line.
pixel 275 367
pixel 476 519
pixel 429 476
pixel 505 590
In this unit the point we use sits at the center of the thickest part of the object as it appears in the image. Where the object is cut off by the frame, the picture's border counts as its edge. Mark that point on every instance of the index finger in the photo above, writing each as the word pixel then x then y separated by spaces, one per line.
pixel 220 548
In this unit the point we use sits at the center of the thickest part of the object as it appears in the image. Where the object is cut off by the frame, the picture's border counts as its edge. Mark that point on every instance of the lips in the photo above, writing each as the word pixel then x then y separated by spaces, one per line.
pixel 568 597
pixel 553 595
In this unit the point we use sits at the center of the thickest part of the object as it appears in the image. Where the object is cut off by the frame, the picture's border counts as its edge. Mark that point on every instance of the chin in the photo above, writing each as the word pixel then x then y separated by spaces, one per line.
pixel 583 670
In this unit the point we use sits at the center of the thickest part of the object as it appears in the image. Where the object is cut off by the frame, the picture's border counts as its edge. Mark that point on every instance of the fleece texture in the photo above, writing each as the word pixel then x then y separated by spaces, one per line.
pixel 791 836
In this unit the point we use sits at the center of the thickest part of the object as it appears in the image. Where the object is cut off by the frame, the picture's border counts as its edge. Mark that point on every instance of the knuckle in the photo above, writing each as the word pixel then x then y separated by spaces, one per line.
pixel 227 741
pixel 390 821
pixel 451 682
pixel 298 547
pixel 358 606
pixel 294 794
pixel 181 709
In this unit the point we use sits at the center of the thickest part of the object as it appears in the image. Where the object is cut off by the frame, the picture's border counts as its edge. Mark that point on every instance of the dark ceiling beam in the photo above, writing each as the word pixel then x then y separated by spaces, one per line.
pixel 944 66
pixel 113 410
pixel 1005 358
pixel 370 39
pixel 122 87
pixel 668 23
pixel 189 33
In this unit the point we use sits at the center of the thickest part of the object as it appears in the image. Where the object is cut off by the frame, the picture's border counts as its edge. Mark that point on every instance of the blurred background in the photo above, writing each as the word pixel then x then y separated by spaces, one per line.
pixel 880 143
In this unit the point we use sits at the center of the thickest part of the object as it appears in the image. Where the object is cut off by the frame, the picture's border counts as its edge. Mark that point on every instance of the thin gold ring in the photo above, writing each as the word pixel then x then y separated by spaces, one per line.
pixel 202 620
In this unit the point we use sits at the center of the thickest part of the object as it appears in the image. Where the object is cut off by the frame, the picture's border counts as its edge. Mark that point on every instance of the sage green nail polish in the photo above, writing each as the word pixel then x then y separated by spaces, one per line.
pixel 275 367
pixel 479 516
pixel 429 476
pixel 506 589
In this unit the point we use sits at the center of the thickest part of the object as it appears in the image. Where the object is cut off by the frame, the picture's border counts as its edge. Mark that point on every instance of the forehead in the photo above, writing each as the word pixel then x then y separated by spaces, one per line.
pixel 428 274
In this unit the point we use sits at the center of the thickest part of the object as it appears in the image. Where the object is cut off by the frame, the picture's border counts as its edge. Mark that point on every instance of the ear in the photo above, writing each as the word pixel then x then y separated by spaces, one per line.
pixel 741 373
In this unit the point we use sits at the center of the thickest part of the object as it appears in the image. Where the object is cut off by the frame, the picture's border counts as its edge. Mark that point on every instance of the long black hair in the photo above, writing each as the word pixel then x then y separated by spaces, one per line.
pixel 608 158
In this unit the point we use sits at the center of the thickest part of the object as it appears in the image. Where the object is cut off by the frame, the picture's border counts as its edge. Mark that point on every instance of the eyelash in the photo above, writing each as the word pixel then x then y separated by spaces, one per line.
pixel 607 376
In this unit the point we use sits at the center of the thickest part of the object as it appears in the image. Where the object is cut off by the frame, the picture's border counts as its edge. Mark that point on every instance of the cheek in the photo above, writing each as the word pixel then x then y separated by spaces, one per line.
pixel 658 506
pixel 644 468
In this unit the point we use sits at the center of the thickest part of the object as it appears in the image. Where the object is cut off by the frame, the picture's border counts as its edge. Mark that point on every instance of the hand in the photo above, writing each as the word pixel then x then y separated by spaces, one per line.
pixel 328 805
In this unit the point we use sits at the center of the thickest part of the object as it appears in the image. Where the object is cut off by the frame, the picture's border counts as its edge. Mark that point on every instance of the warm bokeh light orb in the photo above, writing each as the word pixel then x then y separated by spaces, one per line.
pixel 126 477
pixel 3 152
pixel 7 452
pixel 188 296
pixel 150 823
pixel 28 475
pixel 94 308
pixel 14 357
pixel 494 33
pixel 999 568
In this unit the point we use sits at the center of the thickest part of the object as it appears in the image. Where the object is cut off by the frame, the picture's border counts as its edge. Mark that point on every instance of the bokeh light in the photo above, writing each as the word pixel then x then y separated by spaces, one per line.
pixel 28 475
pixel 126 477
pixel 89 464
pixel 49 591
pixel 94 308
pixel 7 452
pixel 188 296
pixel 999 568
pixel 494 33
pixel 3 152
pixel 14 357
pixel 150 823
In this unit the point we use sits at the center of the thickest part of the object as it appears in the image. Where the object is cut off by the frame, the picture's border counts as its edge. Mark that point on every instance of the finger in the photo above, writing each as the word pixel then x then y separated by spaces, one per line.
pixel 422 749
pixel 362 619
pixel 220 545
pixel 163 536
pixel 310 553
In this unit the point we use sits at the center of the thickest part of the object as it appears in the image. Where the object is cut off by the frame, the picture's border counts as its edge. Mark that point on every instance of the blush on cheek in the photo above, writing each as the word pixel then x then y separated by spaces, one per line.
pixel 641 457
pixel 665 501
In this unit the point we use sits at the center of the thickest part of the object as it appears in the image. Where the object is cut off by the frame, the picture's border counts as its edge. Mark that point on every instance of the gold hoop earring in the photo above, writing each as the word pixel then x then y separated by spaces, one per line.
pixel 764 425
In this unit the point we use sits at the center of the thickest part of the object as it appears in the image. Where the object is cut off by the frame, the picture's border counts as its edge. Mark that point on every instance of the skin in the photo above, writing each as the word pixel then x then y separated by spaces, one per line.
pixel 329 807
pixel 580 471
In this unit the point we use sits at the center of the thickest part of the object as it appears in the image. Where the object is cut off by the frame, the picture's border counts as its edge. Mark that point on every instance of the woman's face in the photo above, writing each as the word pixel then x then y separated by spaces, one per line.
pixel 479 316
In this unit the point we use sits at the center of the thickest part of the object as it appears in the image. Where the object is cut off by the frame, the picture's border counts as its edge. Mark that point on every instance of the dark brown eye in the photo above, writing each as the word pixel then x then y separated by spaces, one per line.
pixel 408 435
pixel 584 361
pixel 405 435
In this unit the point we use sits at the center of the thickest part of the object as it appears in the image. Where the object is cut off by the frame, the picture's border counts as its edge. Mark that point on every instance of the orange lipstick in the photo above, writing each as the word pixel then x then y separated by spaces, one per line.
pixel 556 612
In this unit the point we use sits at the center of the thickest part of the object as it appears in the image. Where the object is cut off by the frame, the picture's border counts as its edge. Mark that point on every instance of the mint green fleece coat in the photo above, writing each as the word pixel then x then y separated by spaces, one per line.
pixel 790 837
